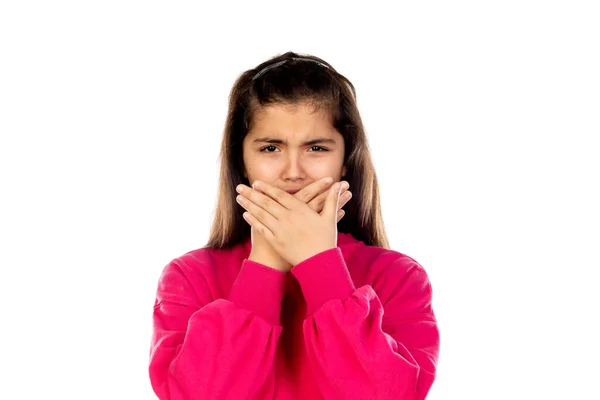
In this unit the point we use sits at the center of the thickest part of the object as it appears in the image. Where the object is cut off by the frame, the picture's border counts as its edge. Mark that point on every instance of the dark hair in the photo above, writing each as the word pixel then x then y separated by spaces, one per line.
pixel 297 79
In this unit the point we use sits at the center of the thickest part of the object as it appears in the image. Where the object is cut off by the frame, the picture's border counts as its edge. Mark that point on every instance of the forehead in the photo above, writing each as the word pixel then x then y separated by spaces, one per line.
pixel 299 119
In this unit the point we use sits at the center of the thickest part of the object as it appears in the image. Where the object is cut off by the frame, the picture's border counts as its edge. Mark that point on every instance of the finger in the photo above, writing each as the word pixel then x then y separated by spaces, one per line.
pixel 331 206
pixel 261 200
pixel 282 197
pixel 344 198
pixel 317 203
pixel 340 215
pixel 263 216
pixel 308 193
pixel 257 225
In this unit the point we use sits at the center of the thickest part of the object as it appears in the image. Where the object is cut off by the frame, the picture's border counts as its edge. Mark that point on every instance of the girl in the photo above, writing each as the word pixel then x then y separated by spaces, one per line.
pixel 293 297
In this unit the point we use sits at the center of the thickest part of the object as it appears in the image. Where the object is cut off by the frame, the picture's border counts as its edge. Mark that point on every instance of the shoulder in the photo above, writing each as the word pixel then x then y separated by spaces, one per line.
pixel 206 259
pixel 194 261
pixel 204 270
pixel 389 272
pixel 374 261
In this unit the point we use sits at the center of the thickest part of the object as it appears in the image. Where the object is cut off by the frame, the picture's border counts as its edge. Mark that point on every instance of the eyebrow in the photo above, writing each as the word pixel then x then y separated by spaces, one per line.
pixel 311 142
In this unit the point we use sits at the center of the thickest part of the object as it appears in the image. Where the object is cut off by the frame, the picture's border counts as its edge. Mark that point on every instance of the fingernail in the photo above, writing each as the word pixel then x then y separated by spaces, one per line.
pixel 345 185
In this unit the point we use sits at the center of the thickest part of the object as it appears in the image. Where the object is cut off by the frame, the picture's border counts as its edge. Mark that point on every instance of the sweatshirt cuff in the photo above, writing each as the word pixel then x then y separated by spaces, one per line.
pixel 324 277
pixel 260 289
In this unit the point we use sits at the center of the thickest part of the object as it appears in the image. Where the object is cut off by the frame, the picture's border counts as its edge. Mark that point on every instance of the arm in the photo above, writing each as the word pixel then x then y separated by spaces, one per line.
pixel 355 350
pixel 215 349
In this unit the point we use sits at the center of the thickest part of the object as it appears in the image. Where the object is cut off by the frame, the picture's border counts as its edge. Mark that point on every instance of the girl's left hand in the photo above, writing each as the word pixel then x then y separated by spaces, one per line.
pixel 290 226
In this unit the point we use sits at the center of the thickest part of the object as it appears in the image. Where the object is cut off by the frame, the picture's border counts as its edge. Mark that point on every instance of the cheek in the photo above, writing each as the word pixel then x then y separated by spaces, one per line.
pixel 331 167
pixel 261 171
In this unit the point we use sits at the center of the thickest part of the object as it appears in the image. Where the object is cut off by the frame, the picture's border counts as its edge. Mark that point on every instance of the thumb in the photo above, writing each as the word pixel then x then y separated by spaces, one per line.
pixel 331 207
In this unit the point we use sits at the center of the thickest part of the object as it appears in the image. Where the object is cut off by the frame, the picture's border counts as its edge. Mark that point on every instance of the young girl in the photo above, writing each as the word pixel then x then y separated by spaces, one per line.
pixel 293 297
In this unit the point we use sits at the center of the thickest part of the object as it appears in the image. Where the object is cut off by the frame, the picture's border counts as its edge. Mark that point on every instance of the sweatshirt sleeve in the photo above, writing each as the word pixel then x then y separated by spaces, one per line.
pixel 358 353
pixel 204 348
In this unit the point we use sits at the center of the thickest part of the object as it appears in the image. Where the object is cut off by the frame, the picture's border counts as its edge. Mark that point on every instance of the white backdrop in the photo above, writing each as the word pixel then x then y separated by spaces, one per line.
pixel 483 120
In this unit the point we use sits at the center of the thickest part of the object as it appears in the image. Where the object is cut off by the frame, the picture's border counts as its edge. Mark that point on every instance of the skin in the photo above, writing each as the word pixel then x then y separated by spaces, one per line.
pixel 292 229
pixel 292 164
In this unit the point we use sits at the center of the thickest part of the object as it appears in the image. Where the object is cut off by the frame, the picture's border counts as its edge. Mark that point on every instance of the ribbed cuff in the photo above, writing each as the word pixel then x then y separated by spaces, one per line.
pixel 324 277
pixel 260 289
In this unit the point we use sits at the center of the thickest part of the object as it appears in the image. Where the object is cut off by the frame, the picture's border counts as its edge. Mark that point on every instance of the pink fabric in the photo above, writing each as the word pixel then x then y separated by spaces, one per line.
pixel 353 322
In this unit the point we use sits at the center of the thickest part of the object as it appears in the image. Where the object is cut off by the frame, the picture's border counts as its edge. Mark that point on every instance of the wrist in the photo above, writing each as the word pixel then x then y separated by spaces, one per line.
pixel 274 262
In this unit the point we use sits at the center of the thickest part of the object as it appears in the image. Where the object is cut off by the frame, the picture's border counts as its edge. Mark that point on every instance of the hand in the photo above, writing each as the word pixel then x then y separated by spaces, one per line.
pixel 314 195
pixel 263 253
pixel 294 230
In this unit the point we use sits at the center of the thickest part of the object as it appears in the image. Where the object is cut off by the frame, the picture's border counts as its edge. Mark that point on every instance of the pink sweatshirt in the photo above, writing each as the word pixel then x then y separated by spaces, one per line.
pixel 352 322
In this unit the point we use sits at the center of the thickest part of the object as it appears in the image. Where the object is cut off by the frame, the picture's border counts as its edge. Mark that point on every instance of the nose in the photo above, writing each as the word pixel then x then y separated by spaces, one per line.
pixel 293 170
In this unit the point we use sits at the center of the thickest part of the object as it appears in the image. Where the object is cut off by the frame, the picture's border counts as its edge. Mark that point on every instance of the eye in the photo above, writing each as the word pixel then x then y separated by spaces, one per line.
pixel 271 149
pixel 267 147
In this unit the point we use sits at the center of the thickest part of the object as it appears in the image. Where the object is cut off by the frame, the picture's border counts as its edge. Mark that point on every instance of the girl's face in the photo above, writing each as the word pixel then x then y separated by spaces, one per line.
pixel 291 147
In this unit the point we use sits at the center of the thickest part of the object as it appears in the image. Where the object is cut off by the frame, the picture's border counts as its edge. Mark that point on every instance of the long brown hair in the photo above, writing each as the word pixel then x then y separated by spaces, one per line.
pixel 292 79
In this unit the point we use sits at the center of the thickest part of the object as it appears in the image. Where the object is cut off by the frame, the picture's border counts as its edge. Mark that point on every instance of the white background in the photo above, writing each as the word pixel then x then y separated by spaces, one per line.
pixel 483 121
